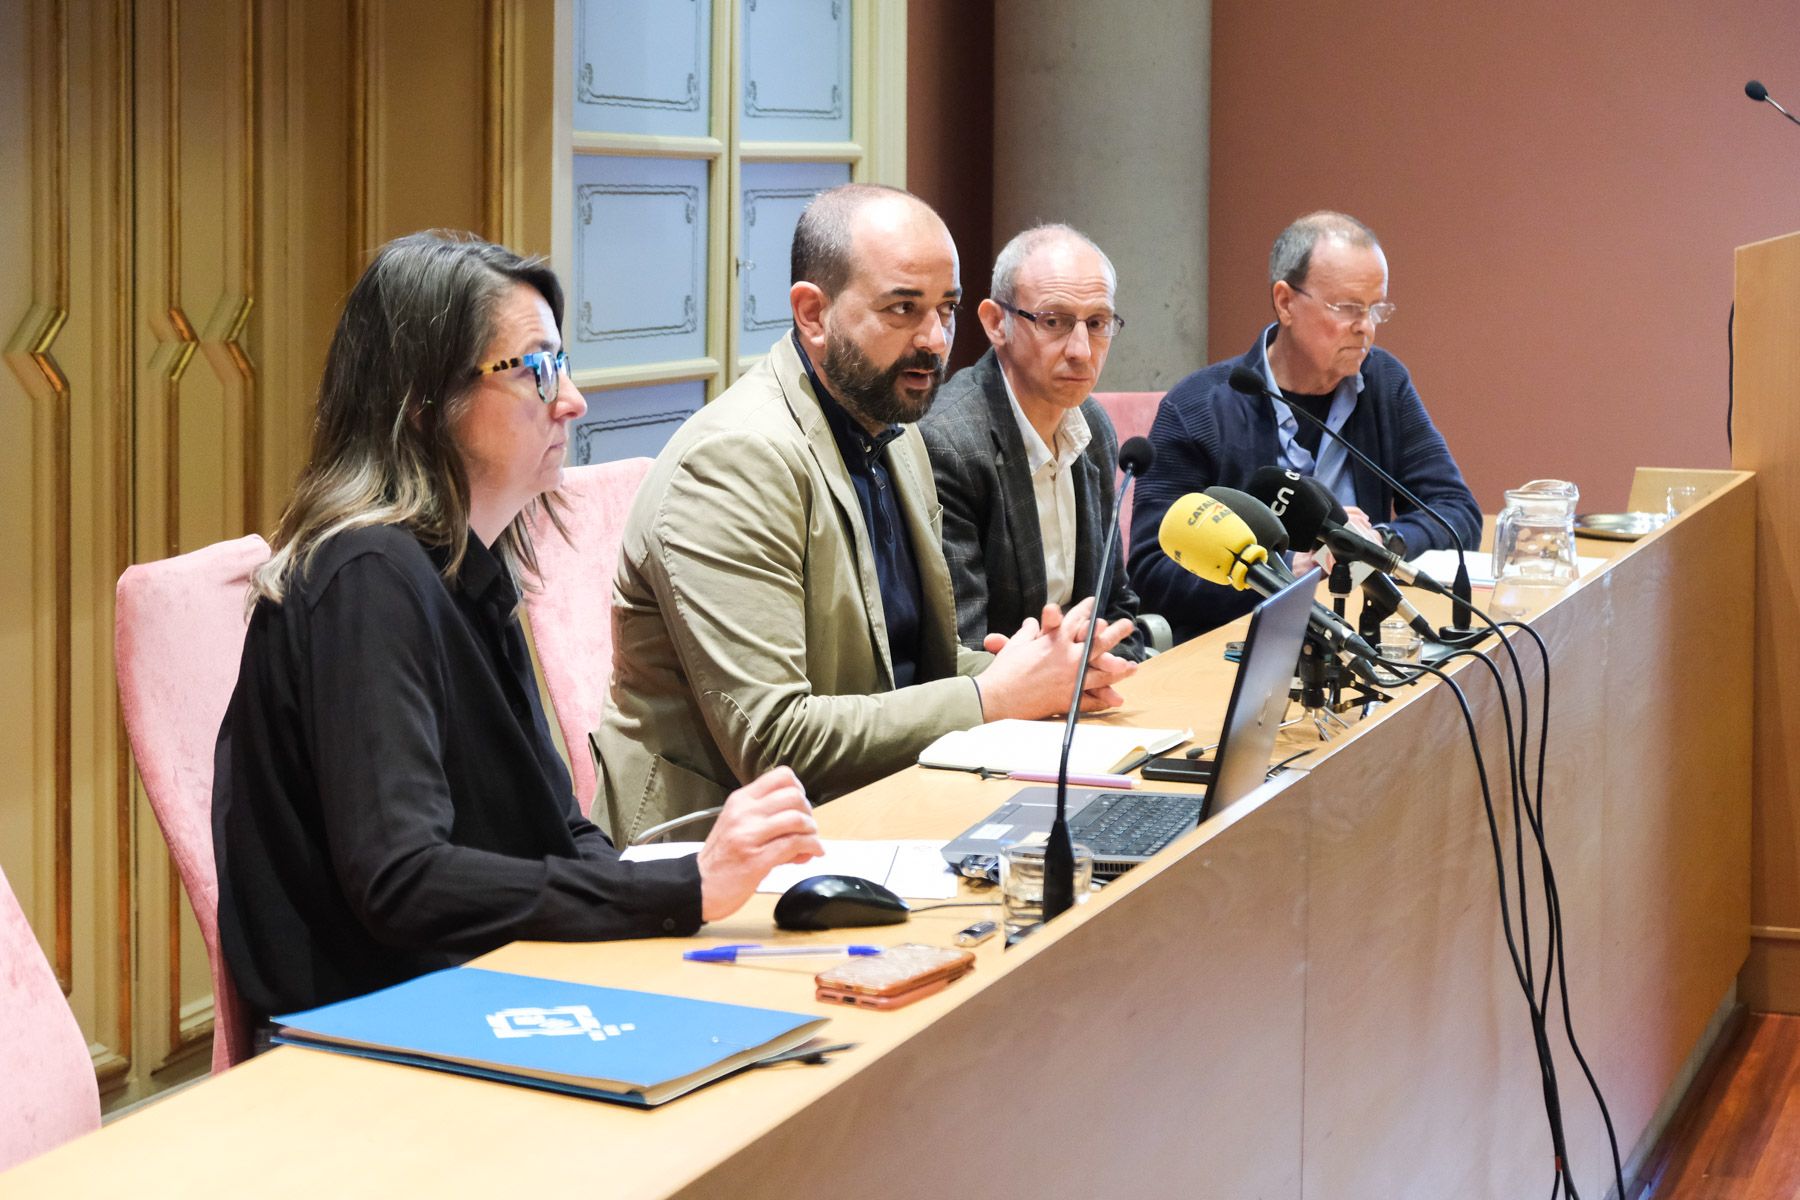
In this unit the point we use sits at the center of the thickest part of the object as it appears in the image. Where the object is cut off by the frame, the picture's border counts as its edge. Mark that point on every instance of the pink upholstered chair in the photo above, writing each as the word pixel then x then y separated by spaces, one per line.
pixel 178 637
pixel 48 1095
pixel 1132 414
pixel 571 607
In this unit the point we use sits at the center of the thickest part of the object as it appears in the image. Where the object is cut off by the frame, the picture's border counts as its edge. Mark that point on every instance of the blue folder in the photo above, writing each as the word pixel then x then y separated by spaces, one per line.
pixel 637 1048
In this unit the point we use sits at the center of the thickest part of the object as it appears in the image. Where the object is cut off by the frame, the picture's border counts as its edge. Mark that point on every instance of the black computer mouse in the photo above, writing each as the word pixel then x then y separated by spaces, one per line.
pixel 838 901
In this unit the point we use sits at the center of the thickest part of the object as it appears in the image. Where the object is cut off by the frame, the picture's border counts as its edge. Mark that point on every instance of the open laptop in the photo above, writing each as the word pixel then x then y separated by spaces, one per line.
pixel 1125 828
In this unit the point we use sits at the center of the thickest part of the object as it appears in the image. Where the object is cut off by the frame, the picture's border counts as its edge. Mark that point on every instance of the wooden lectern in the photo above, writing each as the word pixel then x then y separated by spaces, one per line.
pixel 1765 429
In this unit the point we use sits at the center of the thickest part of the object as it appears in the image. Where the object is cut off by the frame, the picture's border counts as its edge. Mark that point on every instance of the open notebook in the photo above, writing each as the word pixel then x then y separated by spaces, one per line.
pixel 1006 746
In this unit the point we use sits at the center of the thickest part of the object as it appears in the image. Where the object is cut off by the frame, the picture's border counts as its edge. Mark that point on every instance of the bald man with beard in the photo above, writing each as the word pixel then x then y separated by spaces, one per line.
pixel 781 595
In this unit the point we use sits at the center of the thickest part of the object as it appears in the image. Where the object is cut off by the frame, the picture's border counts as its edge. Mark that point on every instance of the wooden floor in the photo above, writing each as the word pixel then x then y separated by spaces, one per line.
pixel 1740 1138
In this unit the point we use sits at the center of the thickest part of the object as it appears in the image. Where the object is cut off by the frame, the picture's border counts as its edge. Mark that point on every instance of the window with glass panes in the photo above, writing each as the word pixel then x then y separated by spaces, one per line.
pixel 700 129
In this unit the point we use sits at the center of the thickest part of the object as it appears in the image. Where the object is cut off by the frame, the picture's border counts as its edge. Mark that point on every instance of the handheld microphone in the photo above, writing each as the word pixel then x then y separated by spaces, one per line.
pixel 1313 517
pixel 1266 525
pixel 1756 91
pixel 1135 457
pixel 1380 591
pixel 1247 381
pixel 1203 534
pixel 1270 530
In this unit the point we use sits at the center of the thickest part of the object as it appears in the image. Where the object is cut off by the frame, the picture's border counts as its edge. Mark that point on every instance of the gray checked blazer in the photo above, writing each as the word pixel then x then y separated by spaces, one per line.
pixel 991 537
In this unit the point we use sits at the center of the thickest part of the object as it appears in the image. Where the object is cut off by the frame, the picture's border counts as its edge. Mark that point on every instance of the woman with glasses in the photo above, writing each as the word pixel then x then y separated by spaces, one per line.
pixel 387 797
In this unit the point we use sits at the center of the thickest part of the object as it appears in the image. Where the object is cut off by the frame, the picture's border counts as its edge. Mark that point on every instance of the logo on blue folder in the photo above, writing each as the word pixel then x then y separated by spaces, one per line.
pixel 568 1020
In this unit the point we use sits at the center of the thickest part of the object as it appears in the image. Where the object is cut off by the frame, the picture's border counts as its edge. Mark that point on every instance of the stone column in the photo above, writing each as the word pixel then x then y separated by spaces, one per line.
pixel 1101 116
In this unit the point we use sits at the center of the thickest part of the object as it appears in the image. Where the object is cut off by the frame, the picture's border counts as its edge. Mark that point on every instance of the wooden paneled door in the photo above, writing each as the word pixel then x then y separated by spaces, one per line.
pixel 67 308
pixel 191 187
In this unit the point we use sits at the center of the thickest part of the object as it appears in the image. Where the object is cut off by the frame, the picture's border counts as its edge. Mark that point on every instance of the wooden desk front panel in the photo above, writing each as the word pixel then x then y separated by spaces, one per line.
pixel 1421 1079
pixel 1157 1040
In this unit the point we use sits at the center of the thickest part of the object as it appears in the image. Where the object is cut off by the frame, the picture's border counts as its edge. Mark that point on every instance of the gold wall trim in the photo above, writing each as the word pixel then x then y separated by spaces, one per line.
pixel 172 931
pixel 31 354
pixel 120 172
pixel 494 123
pixel 359 41
pixel 62 485
pixel 181 350
pixel 250 283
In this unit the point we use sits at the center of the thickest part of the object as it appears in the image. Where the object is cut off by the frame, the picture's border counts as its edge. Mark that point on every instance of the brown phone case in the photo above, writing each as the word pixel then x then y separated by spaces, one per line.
pixel 892 977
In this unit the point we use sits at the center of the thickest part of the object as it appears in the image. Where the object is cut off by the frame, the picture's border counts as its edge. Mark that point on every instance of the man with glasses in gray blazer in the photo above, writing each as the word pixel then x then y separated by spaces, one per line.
pixel 1024 458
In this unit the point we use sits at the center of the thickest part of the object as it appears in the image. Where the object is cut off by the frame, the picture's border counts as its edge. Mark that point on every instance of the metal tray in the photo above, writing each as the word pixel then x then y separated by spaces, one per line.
pixel 1619 527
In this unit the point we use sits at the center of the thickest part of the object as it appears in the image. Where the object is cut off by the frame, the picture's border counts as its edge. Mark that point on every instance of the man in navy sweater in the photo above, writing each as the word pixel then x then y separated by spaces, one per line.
pixel 1328 283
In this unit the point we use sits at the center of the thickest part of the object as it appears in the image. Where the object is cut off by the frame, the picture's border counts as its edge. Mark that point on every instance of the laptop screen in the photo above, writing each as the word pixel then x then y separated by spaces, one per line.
pixel 1259 695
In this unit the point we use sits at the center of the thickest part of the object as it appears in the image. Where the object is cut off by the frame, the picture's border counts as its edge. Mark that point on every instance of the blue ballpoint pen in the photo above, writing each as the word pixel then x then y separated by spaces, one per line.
pixel 730 954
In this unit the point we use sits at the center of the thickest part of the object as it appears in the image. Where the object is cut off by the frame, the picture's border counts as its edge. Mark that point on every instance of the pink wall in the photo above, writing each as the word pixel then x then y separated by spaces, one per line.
pixel 1559 188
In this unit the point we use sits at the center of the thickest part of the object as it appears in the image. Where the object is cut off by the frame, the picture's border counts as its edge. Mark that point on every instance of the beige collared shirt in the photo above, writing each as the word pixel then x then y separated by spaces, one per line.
pixel 1053 485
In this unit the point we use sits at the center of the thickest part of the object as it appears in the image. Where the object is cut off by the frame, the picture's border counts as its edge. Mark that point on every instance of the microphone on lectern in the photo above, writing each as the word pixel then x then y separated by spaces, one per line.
pixel 1135 457
pixel 1757 92
pixel 1250 383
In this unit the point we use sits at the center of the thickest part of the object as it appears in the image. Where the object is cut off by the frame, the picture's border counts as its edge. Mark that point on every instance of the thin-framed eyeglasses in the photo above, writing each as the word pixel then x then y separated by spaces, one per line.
pixel 546 367
pixel 1379 313
pixel 1060 325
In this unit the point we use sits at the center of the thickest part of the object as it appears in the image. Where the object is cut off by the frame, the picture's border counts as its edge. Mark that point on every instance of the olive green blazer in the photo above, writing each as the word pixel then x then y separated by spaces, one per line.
pixel 747 619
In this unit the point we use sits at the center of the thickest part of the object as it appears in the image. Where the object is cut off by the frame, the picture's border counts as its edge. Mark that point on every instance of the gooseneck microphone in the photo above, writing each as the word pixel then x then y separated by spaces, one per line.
pixel 1756 91
pixel 1135 457
pixel 1249 382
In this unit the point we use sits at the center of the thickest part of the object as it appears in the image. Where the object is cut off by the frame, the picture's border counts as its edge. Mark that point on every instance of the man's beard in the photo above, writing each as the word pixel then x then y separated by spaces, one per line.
pixel 875 394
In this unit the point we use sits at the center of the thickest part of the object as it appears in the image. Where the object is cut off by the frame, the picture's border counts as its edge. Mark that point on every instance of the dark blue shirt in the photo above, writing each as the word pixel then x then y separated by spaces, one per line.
pixel 1207 433
pixel 896 570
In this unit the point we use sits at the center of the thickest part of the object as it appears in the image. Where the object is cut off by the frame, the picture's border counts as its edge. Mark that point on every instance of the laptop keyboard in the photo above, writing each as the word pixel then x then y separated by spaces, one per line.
pixel 1115 824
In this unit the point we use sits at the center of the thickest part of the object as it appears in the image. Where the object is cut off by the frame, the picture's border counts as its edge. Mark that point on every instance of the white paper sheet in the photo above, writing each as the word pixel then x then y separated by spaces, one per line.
pixel 1441 566
pixel 913 869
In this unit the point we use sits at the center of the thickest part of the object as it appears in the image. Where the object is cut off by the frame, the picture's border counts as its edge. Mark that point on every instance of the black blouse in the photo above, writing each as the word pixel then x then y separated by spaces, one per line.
pixel 387 799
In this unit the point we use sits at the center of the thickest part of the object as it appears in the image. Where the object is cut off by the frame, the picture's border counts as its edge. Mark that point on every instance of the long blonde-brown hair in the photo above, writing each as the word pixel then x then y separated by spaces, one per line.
pixel 400 368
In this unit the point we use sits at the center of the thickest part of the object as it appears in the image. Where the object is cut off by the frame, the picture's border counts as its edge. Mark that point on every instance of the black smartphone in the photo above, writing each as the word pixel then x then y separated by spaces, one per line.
pixel 1179 769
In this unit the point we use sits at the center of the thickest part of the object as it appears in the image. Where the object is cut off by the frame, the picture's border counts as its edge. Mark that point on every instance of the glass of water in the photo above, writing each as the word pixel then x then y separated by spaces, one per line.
pixel 1022 885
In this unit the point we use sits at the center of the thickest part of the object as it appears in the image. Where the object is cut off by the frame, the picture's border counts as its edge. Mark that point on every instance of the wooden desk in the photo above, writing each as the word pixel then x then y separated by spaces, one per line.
pixel 1308 996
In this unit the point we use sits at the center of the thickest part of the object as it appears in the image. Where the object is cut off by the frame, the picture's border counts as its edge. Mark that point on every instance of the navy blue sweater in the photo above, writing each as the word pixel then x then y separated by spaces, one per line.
pixel 1206 433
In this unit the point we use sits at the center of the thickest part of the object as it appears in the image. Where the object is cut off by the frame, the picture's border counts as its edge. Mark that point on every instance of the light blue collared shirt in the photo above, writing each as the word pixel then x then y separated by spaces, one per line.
pixel 1332 467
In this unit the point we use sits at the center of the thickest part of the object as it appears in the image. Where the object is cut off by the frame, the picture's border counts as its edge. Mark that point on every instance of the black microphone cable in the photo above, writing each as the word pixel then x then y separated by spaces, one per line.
pixel 1556 957
pixel 1556 962
pixel 1523 960
pixel 1546 1066
pixel 1553 901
